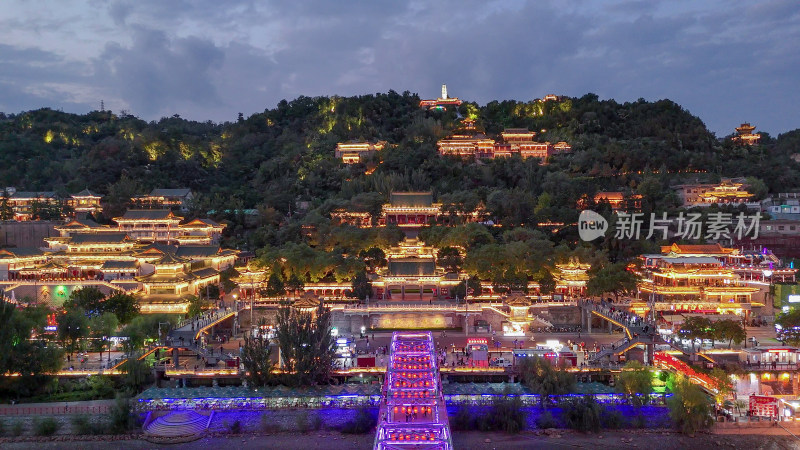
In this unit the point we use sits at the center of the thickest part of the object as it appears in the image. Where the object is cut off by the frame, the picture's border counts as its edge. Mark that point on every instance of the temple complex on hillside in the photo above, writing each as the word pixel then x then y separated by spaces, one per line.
pixel 412 273
pixel 150 225
pixel 109 258
pixel 469 141
pixel 179 199
pixel 354 152
pixel 726 192
pixel 23 203
pixel 619 201
pixel 85 202
pixel 442 102
pixel 706 278
pixel 408 209
pixel 744 134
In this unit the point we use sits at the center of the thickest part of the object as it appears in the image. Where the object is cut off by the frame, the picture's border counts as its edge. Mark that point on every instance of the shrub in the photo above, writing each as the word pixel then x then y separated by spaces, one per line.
pixel 121 417
pixel 362 423
pixel 640 421
pixel 546 420
pixel 2 428
pixel 102 386
pixel 315 423
pixel 268 426
pixel 45 427
pixel 612 419
pixel 583 414
pixel 82 425
pixel 235 427
pixel 301 422
pixel 17 429
pixel 506 415
pixel 463 420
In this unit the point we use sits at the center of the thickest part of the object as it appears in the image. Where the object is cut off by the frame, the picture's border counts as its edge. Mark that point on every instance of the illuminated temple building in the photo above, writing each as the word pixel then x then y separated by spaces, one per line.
pixel 86 254
pixel 411 273
pixel 699 278
pixel 354 152
pixel 726 192
pixel 180 199
pixel 744 135
pixel 22 202
pixel 442 102
pixel 468 141
pixel 85 202
pixel 408 210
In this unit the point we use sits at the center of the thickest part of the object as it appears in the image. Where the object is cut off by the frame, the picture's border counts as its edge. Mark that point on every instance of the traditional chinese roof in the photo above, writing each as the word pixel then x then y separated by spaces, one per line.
pixel 205 272
pixel 169 259
pixel 696 248
pixel 98 238
pixel 308 301
pixel 693 260
pixel 166 277
pixel 20 252
pixel 414 268
pixel 181 192
pixel 75 224
pixel 200 223
pixel 118 265
pixel 197 251
pixel 85 193
pixel 517 300
pixel 32 195
pixel 147 214
pixel 413 199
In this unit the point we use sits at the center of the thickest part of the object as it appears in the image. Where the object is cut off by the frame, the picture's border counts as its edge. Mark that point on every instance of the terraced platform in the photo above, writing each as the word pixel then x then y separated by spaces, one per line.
pixel 175 427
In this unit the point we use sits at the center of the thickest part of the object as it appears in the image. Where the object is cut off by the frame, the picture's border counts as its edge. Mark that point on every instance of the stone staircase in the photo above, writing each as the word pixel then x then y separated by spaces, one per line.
pixel 176 427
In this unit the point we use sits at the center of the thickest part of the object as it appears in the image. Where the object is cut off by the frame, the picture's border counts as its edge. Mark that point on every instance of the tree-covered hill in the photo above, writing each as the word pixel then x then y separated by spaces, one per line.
pixel 282 160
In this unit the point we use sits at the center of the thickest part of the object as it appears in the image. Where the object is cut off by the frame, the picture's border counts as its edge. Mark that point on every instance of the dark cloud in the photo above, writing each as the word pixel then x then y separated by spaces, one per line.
pixel 723 60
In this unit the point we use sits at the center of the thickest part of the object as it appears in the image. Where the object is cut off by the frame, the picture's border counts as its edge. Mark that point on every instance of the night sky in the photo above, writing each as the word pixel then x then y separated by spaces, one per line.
pixel 727 61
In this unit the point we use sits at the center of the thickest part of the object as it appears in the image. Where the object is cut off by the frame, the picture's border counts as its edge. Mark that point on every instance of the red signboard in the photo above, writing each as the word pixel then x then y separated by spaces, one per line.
pixel 763 406
pixel 365 361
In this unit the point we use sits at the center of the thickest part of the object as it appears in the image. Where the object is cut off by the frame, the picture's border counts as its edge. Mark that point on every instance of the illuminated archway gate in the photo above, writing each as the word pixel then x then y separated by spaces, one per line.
pixel 413 413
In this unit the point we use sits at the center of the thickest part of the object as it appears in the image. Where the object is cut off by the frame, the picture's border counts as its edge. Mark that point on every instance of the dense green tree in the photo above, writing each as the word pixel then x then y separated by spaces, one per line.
pixel 89 299
pixel 689 406
pixel 124 306
pixel 697 328
pixel 450 258
pixel 729 330
pixel 374 258
pixel 257 361
pixel 306 345
pixel 103 327
pixel 790 326
pixel 614 279
pixel 361 287
pixel 73 325
pixel 275 285
pixel 32 359
pixel 636 382
pixel 544 379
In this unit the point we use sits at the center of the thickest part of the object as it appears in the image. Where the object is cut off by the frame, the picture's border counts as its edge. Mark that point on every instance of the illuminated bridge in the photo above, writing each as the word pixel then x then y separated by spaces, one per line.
pixel 413 413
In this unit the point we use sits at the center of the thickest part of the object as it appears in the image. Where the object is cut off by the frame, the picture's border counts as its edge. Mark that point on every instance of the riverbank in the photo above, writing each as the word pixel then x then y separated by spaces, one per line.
pixel 548 439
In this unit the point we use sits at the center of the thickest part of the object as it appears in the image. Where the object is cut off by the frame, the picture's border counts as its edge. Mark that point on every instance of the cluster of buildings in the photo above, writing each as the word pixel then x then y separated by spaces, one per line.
pixel 152 252
pixel 468 141
pixel 24 203
pixel 707 278
pixel 408 210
